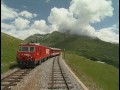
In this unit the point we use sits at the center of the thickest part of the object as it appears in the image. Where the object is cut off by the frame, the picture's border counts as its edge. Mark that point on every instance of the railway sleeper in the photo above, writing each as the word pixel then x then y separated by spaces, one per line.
pixel 62 84
pixel 55 75
pixel 14 80
pixel 13 84
pixel 8 88
pixel 59 83
pixel 58 77
pixel 21 74
pixel 16 77
pixel 59 74
pixel 59 87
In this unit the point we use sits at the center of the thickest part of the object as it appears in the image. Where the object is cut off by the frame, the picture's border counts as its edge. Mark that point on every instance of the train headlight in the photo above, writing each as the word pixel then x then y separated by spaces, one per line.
pixel 31 57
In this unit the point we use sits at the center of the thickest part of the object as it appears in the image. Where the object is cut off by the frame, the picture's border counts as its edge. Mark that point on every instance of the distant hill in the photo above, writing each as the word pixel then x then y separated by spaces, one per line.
pixel 91 48
pixel 9 47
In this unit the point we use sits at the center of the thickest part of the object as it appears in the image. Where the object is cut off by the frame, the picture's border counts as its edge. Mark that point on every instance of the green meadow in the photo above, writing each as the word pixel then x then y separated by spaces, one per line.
pixel 96 76
pixel 9 46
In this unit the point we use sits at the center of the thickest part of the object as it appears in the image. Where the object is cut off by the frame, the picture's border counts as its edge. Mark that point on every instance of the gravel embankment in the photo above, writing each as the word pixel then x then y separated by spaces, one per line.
pixel 38 78
pixel 46 70
pixel 8 72
pixel 30 82
pixel 75 83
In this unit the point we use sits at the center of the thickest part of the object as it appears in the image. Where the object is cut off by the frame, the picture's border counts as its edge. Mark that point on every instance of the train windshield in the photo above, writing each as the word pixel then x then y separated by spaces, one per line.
pixel 31 49
pixel 26 49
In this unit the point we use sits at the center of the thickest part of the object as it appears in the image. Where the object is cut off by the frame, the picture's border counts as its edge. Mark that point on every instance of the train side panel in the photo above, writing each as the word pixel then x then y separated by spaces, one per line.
pixel 55 52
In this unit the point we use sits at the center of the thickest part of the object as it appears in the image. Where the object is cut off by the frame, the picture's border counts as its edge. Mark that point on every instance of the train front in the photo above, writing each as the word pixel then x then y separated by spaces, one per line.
pixel 25 55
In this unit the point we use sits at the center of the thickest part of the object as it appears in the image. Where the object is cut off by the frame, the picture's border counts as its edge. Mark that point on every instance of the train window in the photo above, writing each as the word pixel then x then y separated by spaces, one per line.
pixel 31 49
pixel 23 49
pixel 47 51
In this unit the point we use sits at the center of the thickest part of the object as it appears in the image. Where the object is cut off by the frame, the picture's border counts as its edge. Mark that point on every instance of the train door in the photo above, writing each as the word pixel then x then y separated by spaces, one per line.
pixel 47 51
pixel 40 52
pixel 37 53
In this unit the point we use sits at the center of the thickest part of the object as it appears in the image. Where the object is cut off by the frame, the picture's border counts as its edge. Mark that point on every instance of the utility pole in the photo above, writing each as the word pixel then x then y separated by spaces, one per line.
pixel 64 45
pixel 36 39
pixel 39 37
pixel 64 31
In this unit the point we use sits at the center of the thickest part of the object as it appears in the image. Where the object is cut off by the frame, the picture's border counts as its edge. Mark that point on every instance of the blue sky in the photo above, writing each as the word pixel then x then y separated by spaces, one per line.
pixel 44 16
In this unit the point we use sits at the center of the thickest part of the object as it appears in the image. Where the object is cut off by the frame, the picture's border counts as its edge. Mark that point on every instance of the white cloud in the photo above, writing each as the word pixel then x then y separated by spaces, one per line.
pixel 7 13
pixel 28 32
pixel 11 32
pixel 17 27
pixel 108 34
pixel 64 21
pixel 6 26
pixel 27 14
pixel 21 23
pixel 91 11
pixel 53 27
pixel 22 34
pixel 34 15
pixel 75 20
pixel 41 26
pixel 61 18
pixel 115 28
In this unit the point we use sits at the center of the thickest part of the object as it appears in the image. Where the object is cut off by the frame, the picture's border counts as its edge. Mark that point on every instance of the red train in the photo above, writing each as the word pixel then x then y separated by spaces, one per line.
pixel 30 54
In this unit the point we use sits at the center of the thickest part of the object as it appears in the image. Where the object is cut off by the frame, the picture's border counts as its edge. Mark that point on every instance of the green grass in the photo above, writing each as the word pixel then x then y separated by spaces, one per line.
pixel 94 74
pixel 9 46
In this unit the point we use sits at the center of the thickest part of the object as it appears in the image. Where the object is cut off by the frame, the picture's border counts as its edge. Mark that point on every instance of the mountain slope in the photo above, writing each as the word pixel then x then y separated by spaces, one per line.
pixel 91 48
pixel 9 47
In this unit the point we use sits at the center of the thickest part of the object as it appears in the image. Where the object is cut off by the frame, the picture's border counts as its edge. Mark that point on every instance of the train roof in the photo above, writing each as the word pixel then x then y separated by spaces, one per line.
pixel 55 48
pixel 34 44
pixel 29 44
pixel 39 45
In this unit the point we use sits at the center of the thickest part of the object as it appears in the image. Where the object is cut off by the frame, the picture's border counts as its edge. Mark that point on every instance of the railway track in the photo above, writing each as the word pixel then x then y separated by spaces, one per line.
pixel 58 77
pixel 11 80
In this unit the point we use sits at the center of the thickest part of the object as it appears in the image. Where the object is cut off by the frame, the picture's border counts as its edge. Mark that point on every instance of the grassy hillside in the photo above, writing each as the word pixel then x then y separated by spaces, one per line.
pixel 90 48
pixel 9 47
pixel 84 52
pixel 96 76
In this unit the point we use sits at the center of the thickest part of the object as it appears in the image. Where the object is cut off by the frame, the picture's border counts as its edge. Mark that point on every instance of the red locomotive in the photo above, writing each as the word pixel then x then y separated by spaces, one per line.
pixel 31 54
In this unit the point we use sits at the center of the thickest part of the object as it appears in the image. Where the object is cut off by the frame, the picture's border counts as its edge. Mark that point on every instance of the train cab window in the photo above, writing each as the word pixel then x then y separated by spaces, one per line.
pixel 31 49
pixel 24 49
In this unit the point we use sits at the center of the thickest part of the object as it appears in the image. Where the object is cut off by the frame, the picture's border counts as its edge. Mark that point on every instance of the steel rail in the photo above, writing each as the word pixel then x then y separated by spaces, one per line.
pixel 19 73
pixel 63 75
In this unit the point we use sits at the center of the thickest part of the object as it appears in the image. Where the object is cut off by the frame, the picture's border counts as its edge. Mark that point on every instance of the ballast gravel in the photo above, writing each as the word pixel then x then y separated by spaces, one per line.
pixel 38 78
pixel 45 73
